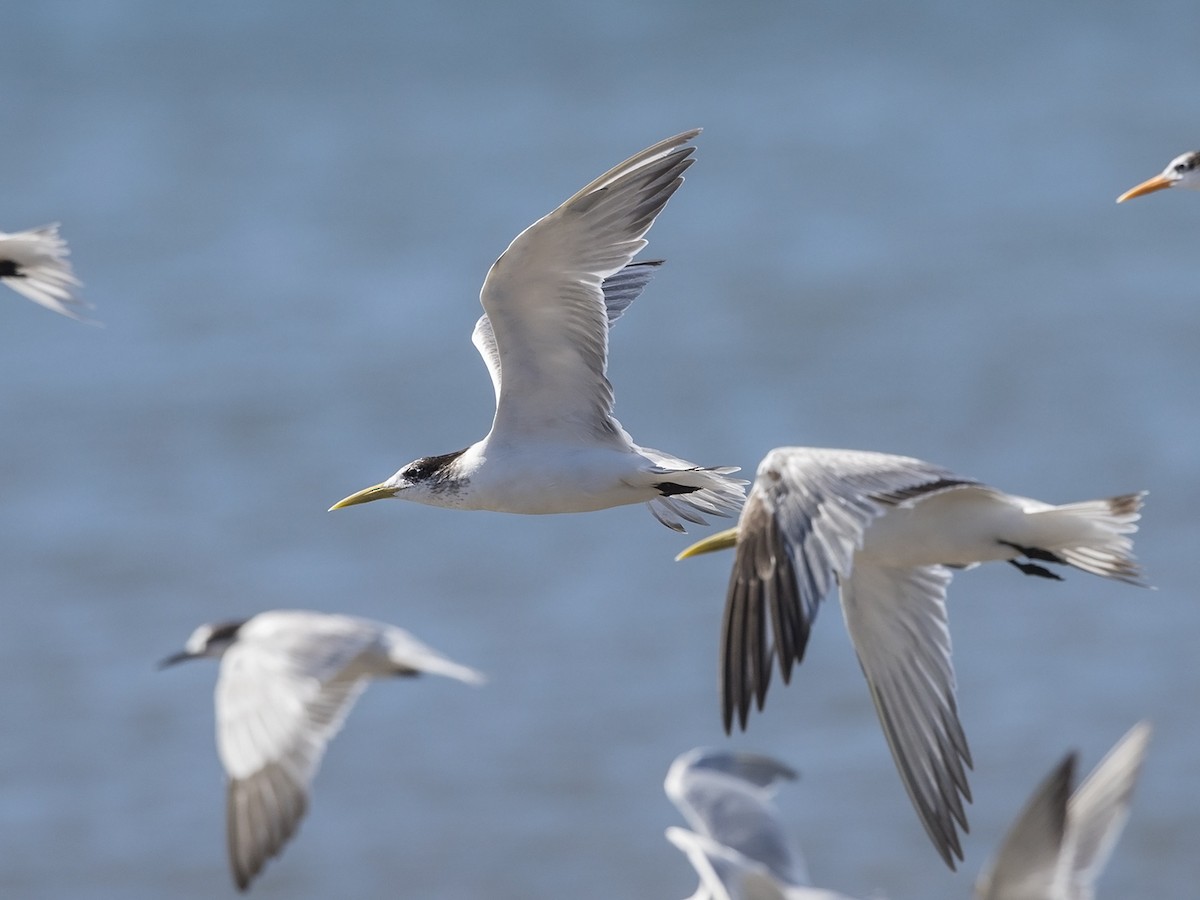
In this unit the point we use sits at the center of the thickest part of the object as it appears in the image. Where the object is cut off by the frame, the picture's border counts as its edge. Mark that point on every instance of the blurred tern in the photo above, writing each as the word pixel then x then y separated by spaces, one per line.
pixel 888 530
pixel 34 264
pixel 739 847
pixel 549 301
pixel 1183 172
pixel 1061 841
pixel 288 679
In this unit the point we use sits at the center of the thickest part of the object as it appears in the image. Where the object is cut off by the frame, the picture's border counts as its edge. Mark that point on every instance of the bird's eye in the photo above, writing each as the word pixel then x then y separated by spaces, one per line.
pixel 1180 168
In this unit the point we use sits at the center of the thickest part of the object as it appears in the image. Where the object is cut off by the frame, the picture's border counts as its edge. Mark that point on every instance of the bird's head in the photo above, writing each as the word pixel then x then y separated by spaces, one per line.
pixel 207 640
pixel 1183 171
pixel 430 472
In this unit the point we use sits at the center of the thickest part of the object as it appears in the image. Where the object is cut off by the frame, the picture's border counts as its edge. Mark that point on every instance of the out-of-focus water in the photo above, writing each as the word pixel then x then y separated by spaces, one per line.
pixel 900 235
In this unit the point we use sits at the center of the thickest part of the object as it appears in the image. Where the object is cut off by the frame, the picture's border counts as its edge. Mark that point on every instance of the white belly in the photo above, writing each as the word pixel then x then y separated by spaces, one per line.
pixel 955 528
pixel 545 480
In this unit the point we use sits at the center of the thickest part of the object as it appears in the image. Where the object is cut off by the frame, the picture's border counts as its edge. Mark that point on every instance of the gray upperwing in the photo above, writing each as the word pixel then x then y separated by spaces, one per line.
pixel 621 289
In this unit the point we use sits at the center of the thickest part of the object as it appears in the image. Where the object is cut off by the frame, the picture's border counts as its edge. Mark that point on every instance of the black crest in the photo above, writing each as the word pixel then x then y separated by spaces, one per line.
pixel 226 631
pixel 432 468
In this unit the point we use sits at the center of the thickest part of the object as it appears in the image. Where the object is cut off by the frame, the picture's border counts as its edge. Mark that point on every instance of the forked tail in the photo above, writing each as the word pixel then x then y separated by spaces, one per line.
pixel 1092 535
pixel 687 495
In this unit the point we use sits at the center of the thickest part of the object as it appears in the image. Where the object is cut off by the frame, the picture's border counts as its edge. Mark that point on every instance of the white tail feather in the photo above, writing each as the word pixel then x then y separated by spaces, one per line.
pixel 44 273
pixel 1092 535
pixel 717 495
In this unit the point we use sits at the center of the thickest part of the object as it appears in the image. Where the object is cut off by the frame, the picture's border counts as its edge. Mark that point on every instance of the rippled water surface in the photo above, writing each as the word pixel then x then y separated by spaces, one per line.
pixel 900 234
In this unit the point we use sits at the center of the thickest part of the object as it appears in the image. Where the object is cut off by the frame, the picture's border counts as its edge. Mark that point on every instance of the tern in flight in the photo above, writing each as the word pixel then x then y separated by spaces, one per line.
pixel 288 679
pixel 549 301
pixel 1061 841
pixel 1183 171
pixel 738 847
pixel 34 264
pixel 889 531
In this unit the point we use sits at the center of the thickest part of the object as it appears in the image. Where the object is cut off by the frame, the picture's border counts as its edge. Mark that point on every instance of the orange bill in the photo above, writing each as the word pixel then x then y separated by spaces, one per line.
pixel 1157 183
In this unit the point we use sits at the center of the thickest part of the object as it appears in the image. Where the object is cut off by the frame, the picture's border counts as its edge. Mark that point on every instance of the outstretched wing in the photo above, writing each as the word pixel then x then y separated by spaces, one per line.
pixel 275 715
pixel 620 290
pixel 798 533
pixel 897 622
pixel 544 299
pixel 726 795
pixel 1027 863
pixel 1098 809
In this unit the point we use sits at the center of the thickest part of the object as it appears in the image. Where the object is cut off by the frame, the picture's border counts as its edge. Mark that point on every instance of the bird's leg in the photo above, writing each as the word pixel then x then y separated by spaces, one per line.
pixel 670 488
pixel 1036 553
pixel 1034 569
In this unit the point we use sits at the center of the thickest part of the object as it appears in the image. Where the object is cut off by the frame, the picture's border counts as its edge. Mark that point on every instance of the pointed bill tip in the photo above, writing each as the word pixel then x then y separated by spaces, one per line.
pixel 181 656
pixel 722 540
pixel 1157 183
pixel 366 495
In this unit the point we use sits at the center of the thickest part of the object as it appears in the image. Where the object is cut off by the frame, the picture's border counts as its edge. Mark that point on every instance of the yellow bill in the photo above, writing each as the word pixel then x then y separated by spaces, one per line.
pixel 722 540
pixel 366 495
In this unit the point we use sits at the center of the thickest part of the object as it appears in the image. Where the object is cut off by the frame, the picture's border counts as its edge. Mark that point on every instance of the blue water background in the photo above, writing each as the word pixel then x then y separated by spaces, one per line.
pixel 900 235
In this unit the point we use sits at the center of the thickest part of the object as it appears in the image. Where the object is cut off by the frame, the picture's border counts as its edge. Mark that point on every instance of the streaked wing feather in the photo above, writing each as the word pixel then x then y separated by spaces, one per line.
pixel 621 289
pixel 262 814
pixel 897 622
pixel 798 533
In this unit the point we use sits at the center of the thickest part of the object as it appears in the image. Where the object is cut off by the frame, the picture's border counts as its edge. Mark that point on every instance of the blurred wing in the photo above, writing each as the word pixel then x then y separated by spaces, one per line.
pixel 755 768
pixel 797 535
pixel 722 871
pixel 1097 811
pixel 727 797
pixel 1027 863
pixel 726 874
pixel 544 300
pixel 261 815
pixel 897 622
pixel 274 719
pixel 620 291
pixel 34 264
